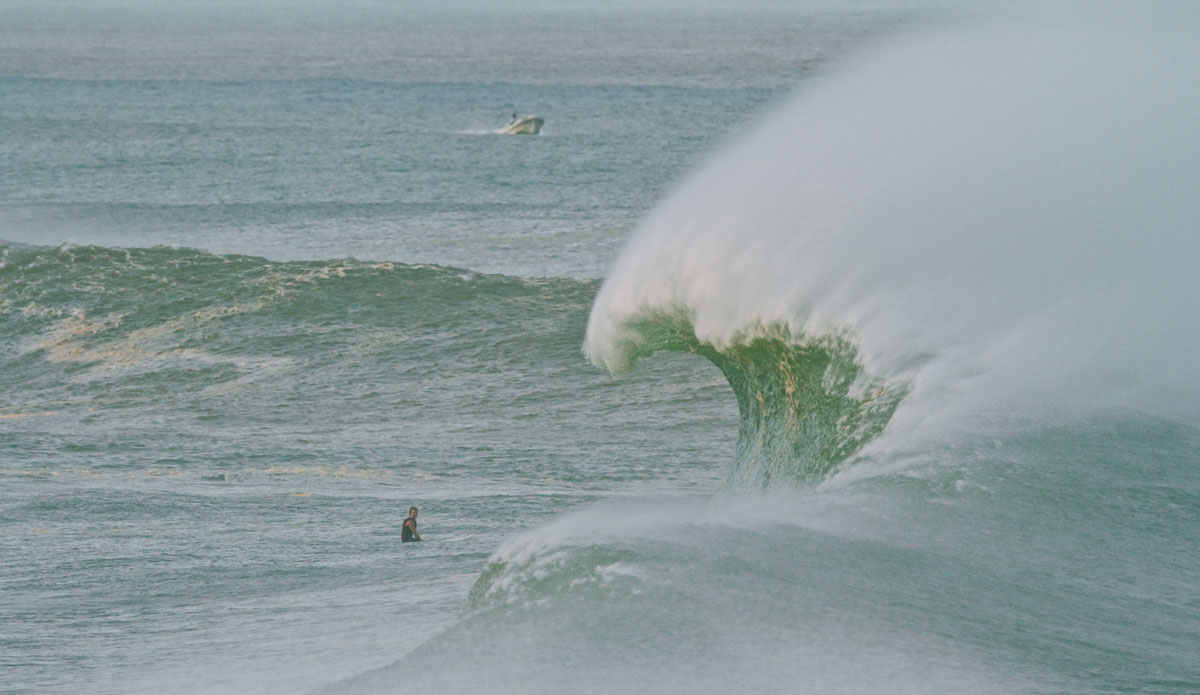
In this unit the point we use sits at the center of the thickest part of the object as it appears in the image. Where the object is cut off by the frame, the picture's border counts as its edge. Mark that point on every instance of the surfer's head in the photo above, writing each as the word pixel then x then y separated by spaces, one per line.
pixel 412 512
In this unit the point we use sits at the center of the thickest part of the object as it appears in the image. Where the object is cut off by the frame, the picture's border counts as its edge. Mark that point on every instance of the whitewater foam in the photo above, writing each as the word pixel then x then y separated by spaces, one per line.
pixel 1000 218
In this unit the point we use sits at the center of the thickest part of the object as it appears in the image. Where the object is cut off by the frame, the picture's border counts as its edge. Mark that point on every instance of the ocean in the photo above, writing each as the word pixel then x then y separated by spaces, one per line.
pixel 816 348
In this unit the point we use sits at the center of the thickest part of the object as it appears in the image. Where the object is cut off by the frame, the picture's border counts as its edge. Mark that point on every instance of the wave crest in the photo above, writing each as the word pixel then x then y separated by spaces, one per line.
pixel 806 404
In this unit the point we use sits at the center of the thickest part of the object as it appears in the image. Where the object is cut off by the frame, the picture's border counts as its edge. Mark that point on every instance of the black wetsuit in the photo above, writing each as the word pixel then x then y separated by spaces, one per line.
pixel 406 531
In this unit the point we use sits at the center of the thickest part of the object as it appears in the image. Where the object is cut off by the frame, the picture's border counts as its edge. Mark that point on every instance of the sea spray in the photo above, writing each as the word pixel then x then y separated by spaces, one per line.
pixel 998 219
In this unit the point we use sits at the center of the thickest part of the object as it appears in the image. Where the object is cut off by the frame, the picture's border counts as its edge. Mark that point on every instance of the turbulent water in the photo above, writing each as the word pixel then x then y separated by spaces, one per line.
pixel 894 394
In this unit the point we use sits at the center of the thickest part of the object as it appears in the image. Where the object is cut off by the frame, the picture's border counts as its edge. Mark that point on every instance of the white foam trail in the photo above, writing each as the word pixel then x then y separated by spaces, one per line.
pixel 994 212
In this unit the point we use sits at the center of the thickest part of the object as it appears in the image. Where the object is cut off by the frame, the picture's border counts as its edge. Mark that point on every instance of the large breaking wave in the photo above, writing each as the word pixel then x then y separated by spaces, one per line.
pixel 983 220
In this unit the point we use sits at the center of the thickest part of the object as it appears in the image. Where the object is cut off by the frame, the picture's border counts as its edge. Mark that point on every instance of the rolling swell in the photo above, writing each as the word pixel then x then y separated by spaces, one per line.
pixel 103 349
pixel 94 304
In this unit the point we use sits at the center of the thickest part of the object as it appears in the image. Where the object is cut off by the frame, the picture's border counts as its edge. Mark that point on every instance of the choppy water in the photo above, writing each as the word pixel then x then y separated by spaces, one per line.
pixel 913 407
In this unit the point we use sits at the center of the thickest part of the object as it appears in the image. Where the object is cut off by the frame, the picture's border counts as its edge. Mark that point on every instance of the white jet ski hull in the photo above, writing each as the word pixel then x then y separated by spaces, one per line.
pixel 529 125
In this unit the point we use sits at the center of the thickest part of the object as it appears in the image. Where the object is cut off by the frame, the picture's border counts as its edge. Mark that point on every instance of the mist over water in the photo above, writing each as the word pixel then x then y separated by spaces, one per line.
pixel 995 216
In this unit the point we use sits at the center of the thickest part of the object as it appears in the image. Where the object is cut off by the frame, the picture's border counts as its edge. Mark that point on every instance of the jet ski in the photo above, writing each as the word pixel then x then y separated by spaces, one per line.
pixel 526 125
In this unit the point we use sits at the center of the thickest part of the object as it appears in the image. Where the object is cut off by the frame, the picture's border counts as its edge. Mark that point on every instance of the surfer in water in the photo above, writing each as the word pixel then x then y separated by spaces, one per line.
pixel 408 532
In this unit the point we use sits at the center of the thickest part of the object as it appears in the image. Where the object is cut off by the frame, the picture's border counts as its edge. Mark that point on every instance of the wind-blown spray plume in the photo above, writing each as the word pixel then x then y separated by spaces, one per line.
pixel 961 223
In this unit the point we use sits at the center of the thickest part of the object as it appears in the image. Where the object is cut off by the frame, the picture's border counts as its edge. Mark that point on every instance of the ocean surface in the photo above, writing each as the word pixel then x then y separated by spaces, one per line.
pixel 813 350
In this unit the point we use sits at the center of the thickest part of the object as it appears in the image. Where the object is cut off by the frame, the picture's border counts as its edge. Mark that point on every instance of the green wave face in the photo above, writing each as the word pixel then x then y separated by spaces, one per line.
pixel 806 404
pixel 805 408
